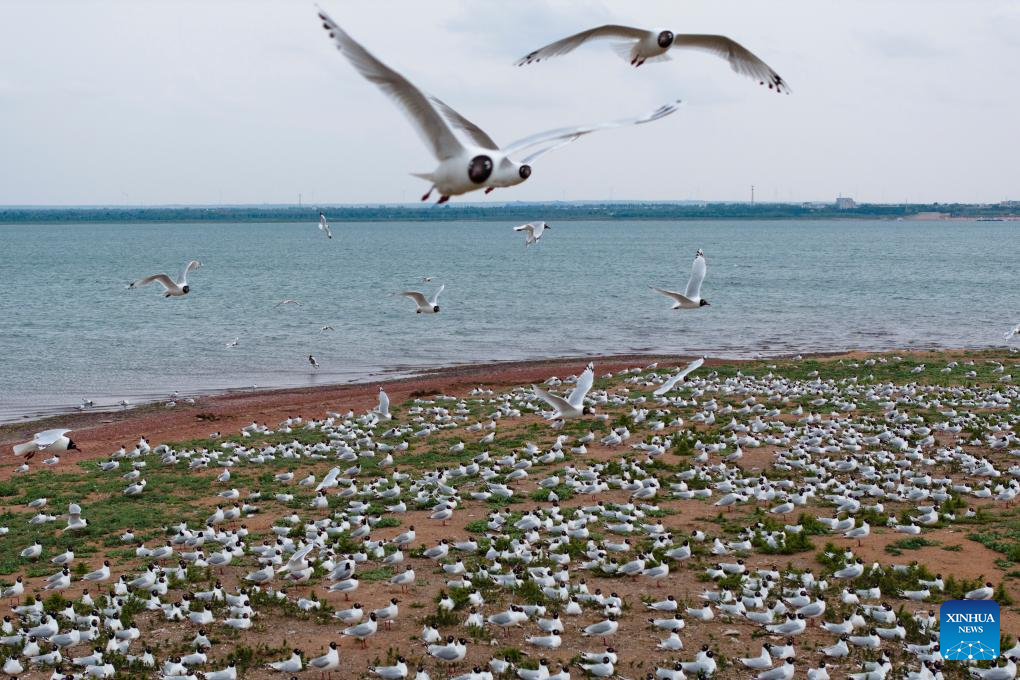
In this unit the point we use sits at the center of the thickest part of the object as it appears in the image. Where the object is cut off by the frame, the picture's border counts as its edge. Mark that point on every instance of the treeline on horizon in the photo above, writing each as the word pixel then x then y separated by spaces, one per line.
pixel 523 211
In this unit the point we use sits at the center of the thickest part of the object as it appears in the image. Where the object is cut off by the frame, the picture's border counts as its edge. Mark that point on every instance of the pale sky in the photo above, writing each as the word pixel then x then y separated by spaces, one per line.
pixel 154 102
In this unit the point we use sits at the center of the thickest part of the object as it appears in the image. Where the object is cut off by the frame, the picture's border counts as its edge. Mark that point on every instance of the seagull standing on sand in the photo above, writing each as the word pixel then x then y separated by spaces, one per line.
pixel 639 46
pixel 534 231
pixel 691 297
pixel 425 306
pixel 573 406
pixel 462 167
pixel 173 288
pixel 324 225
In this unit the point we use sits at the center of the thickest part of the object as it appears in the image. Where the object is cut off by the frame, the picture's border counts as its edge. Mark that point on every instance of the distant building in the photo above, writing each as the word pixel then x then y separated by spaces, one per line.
pixel 845 203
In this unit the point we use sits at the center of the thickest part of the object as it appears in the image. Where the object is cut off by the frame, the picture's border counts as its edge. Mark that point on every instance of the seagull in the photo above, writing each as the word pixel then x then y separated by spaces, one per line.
pixel 326 328
pixel 383 409
pixel 1014 331
pixel 534 231
pixel 690 298
pixel 324 225
pixel 312 361
pixel 48 440
pixel 329 661
pixel 640 45
pixel 678 378
pixel 232 343
pixel 288 301
pixel 424 306
pixel 290 665
pixel 462 167
pixel 173 288
pixel 573 406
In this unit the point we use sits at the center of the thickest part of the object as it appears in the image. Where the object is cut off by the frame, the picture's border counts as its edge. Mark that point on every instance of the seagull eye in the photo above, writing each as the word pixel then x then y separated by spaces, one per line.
pixel 480 169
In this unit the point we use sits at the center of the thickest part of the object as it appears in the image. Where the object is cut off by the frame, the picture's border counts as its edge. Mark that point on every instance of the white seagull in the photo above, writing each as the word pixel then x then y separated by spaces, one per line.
pixel 48 440
pixel 573 406
pixel 672 382
pixel 324 225
pixel 691 297
pixel 462 167
pixel 639 45
pixel 173 288
pixel 534 231
pixel 425 306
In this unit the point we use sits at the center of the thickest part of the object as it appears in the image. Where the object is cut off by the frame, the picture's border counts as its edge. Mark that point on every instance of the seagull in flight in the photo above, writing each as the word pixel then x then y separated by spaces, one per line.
pixel 48 440
pixel 462 167
pixel 534 231
pixel 1012 332
pixel 326 328
pixel 573 406
pixel 324 225
pixel 232 343
pixel 639 45
pixel 678 378
pixel 425 306
pixel 312 361
pixel 690 298
pixel 173 288
pixel 287 302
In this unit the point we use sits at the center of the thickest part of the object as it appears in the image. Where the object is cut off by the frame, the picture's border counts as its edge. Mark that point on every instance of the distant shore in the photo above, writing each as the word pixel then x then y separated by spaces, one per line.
pixel 549 211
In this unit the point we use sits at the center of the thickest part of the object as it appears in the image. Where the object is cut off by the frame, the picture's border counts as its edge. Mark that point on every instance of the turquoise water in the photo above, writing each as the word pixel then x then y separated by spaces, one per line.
pixel 69 328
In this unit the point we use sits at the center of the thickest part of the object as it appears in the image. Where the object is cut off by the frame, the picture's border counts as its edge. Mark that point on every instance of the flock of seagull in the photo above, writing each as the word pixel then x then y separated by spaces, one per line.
pixel 568 525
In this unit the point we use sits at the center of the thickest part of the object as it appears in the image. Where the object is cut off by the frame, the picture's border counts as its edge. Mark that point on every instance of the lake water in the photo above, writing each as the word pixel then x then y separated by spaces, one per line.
pixel 69 328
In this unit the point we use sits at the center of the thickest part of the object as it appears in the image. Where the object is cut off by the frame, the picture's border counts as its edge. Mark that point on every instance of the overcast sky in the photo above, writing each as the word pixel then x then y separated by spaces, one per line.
pixel 153 102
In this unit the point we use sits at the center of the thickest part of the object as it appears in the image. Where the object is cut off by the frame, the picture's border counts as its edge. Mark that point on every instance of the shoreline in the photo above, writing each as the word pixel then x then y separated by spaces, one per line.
pixel 99 432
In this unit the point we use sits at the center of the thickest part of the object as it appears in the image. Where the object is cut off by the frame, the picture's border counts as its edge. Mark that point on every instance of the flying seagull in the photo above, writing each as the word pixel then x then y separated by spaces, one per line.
pixel 672 382
pixel 288 301
pixel 573 406
pixel 48 440
pixel 173 288
pixel 462 167
pixel 312 361
pixel 690 298
pixel 534 231
pixel 425 306
pixel 324 225
pixel 639 45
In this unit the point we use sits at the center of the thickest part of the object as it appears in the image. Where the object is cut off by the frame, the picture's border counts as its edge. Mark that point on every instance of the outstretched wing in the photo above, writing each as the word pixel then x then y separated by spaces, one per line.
pixel 190 267
pixel 480 137
pixel 741 59
pixel 560 136
pixel 698 270
pixel 526 227
pixel 582 387
pixel 48 437
pixel 384 402
pixel 435 298
pixel 415 105
pixel 672 382
pixel 163 279
pixel 417 297
pixel 678 297
pixel 559 403
pixel 572 42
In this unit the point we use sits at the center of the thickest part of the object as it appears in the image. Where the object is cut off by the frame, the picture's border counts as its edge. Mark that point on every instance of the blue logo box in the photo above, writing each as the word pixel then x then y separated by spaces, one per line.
pixel 969 630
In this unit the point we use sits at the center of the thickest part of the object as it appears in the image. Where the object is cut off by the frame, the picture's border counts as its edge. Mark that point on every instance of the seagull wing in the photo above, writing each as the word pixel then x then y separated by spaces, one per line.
pixel 163 279
pixel 572 42
pixel 44 439
pixel 300 555
pixel 384 402
pixel 417 297
pixel 530 228
pixel 190 267
pixel 559 403
pixel 698 270
pixel 672 382
pixel 426 120
pixel 435 298
pixel 561 136
pixel 477 134
pixel 679 297
pixel 583 386
pixel 741 59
